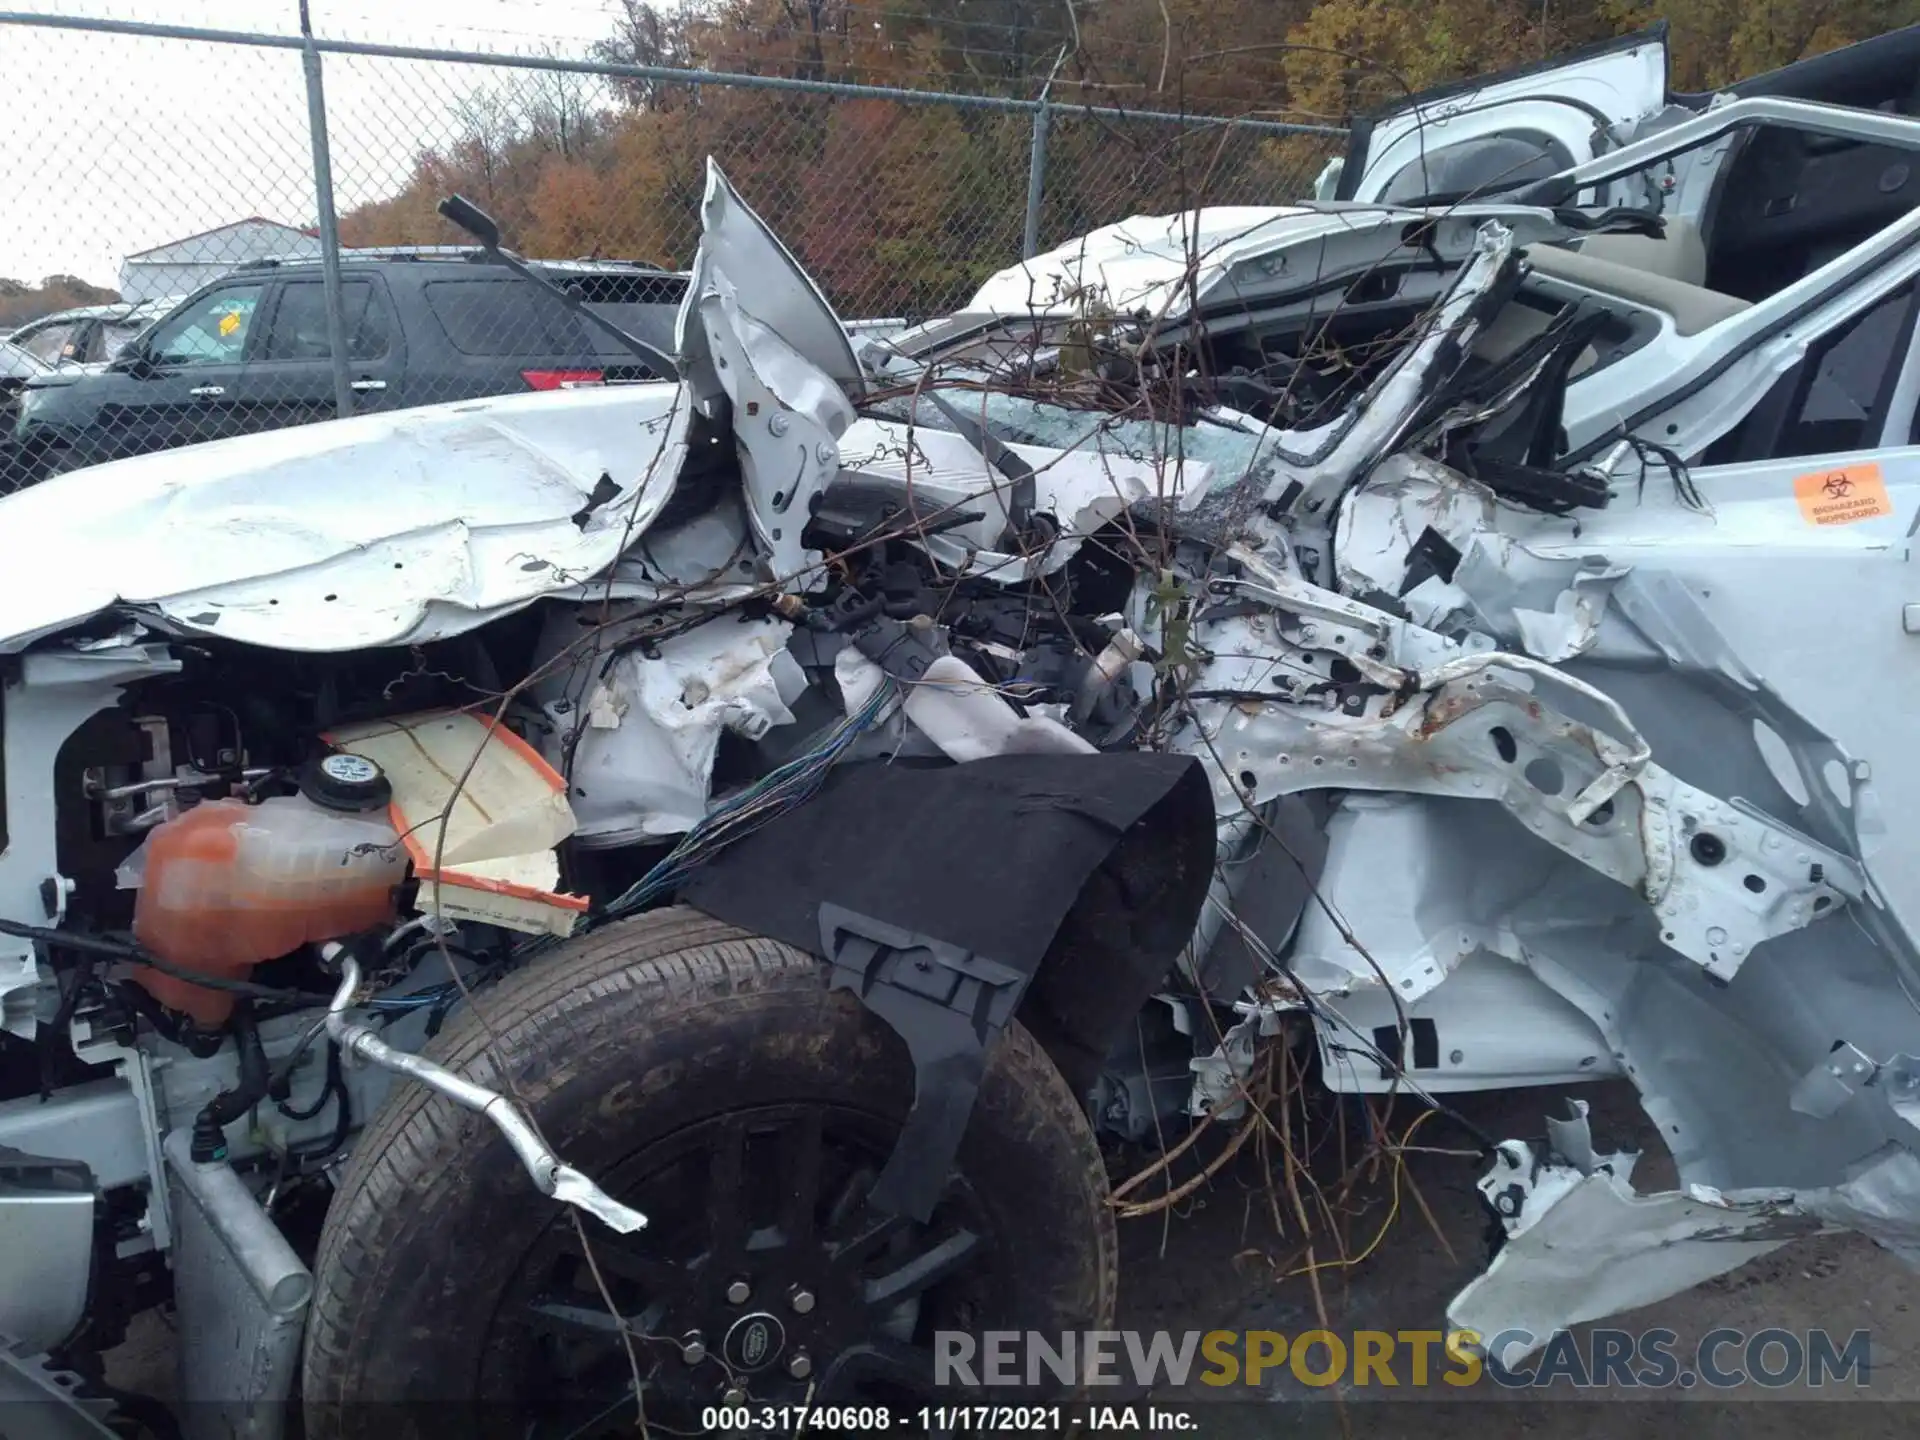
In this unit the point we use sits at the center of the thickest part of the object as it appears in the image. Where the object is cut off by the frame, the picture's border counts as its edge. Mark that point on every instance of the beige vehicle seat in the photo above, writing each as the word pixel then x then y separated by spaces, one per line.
pixel 1667 274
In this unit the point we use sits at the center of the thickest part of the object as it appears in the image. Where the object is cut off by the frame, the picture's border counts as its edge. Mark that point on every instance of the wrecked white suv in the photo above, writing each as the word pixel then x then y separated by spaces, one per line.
pixel 644 895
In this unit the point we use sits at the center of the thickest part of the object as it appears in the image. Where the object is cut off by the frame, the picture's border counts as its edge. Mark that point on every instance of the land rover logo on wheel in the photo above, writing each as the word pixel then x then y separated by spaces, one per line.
pixel 755 1341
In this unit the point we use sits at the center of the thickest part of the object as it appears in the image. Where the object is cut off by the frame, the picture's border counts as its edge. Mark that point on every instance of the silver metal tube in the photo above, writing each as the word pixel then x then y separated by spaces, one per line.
pixel 329 224
pixel 552 1175
pixel 169 782
pixel 1036 182
pixel 258 1248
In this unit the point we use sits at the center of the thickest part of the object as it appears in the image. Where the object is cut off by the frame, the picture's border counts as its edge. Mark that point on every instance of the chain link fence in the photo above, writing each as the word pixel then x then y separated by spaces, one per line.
pixel 172 207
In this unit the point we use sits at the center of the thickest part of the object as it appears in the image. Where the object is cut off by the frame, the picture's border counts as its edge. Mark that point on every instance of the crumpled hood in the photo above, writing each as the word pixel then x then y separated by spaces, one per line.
pixel 384 529
pixel 1161 266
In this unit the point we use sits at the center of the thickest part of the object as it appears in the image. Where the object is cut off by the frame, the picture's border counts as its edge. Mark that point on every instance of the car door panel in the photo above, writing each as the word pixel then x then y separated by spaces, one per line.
pixel 290 378
pixel 184 389
pixel 1686 392
pixel 1801 568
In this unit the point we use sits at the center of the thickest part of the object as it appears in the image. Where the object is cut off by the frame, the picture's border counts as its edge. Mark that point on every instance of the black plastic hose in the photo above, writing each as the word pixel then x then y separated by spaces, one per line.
pixel 209 1126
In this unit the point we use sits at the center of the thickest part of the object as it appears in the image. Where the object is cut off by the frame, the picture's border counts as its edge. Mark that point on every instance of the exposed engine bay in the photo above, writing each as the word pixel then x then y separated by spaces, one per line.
pixel 1499 792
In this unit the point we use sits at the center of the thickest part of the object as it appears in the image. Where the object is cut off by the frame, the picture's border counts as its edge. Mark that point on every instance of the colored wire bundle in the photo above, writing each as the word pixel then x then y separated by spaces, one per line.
pixel 738 816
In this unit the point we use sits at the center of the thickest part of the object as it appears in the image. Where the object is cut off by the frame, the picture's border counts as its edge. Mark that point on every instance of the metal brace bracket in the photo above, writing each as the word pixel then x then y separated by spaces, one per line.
pixel 949 1005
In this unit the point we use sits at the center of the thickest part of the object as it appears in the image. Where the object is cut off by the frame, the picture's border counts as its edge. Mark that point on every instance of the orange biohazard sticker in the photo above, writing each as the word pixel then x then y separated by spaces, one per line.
pixel 1842 495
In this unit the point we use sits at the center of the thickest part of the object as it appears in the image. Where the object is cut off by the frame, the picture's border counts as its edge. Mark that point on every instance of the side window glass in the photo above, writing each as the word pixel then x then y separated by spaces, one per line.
pixel 1477 168
pixel 1836 399
pixel 48 343
pixel 368 323
pixel 114 338
pixel 1845 382
pixel 300 322
pixel 506 316
pixel 212 330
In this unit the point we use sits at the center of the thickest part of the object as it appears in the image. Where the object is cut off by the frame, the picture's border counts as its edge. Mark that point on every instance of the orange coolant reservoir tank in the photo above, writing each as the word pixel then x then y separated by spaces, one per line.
pixel 226 885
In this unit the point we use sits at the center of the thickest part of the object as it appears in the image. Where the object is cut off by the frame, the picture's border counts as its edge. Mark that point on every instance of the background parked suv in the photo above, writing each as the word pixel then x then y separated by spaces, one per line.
pixel 250 351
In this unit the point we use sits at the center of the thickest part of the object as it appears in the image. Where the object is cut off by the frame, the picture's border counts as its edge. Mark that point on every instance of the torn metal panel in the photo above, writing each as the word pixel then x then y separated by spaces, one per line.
pixel 1580 1244
pixel 1473 730
pixel 707 559
pixel 1220 1079
pixel 387 529
pixel 1880 1197
pixel 1458 558
pixel 1491 1025
pixel 635 729
pixel 788 418
pixel 769 285
pixel 1409 879
pixel 1381 544
pixel 969 720
pixel 966 500
pixel 1584 1246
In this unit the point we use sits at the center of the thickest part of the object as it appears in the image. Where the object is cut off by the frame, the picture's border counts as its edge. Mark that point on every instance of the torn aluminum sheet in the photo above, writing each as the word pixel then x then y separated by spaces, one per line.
pixel 755 330
pixel 1580 1244
pixel 1474 727
pixel 1081 488
pixel 1458 559
pixel 790 417
pixel 1415 898
pixel 1306 480
pixel 969 720
pixel 1735 1062
pixel 770 286
pixel 1220 1079
pixel 635 728
pixel 391 528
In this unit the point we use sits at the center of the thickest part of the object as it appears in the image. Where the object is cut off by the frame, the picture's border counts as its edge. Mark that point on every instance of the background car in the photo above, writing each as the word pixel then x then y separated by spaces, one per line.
pixel 250 351
pixel 17 366
pixel 90 334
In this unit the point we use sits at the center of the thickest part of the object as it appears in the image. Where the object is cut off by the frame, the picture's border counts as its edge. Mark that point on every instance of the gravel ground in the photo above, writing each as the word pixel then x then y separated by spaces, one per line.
pixel 1211 1266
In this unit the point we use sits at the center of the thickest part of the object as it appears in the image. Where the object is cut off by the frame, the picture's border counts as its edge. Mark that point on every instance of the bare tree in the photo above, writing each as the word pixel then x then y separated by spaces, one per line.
pixel 487 131
pixel 560 110
pixel 645 35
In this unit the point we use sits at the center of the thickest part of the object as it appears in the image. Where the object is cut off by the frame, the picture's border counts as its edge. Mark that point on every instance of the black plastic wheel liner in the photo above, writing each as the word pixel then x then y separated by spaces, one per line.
pixel 1055 887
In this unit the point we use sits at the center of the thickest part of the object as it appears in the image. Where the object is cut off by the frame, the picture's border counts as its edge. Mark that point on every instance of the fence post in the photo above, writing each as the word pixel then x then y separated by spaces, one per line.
pixel 329 226
pixel 1036 179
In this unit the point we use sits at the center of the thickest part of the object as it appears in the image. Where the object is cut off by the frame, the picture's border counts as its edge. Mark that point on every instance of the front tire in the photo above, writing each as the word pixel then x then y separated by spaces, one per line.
pixel 709 1078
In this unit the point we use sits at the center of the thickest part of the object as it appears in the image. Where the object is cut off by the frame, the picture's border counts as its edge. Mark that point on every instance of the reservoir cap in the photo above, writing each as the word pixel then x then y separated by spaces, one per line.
pixel 349 783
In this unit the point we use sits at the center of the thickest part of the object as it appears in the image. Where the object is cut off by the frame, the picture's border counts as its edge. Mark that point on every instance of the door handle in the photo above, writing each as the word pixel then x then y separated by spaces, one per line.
pixel 207 392
pixel 363 386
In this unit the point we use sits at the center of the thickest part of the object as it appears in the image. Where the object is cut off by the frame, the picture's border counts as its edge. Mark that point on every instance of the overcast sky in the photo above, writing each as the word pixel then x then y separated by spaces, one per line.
pixel 113 144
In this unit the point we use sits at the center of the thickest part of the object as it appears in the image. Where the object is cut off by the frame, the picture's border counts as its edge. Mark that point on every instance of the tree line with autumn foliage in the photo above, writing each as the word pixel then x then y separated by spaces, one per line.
pixel 900 208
